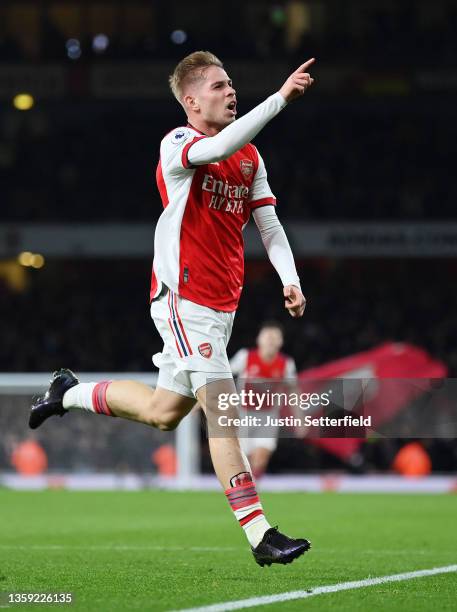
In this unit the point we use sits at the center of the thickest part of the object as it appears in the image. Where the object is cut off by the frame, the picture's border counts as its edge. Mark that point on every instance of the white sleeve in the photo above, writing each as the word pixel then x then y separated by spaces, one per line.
pixel 174 147
pixel 275 241
pixel 260 192
pixel 233 137
pixel 291 369
pixel 238 362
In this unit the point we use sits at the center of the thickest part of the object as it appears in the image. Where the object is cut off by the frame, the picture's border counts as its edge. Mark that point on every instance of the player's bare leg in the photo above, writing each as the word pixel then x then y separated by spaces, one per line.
pixel 158 407
pixel 259 459
pixel 232 469
pixel 230 462
pixel 227 457
pixel 128 399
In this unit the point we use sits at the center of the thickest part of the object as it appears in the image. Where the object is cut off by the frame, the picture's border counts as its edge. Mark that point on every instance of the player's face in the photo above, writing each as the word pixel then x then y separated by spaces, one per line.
pixel 270 340
pixel 216 98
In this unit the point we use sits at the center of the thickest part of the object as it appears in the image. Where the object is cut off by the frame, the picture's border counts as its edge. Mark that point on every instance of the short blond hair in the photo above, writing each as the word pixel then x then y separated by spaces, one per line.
pixel 190 70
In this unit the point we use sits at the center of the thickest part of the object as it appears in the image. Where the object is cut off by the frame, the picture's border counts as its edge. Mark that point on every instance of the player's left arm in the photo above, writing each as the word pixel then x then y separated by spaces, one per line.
pixel 238 362
pixel 291 370
pixel 275 241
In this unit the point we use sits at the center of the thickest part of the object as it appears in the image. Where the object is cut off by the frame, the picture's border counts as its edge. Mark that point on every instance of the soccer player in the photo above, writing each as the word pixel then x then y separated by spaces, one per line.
pixel 259 365
pixel 210 179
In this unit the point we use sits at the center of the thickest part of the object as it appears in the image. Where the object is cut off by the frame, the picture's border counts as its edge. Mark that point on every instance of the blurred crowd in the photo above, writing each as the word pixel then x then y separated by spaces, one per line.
pixel 412 34
pixel 88 443
pixel 77 443
pixel 349 156
pixel 326 159
pixel 94 315
pixel 342 156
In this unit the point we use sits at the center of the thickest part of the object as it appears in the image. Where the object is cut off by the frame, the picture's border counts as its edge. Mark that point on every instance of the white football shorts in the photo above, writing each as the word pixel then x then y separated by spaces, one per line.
pixel 250 436
pixel 250 444
pixel 195 342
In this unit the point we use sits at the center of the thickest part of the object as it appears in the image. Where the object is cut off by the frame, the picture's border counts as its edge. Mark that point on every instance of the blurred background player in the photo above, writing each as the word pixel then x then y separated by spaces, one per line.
pixel 257 365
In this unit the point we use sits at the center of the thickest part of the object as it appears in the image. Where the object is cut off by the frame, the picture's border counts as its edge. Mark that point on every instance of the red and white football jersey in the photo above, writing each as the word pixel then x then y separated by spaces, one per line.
pixel 255 373
pixel 198 245
pixel 248 364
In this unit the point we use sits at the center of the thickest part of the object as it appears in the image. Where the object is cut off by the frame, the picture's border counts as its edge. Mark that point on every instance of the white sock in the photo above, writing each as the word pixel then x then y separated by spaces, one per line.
pixel 248 511
pixel 255 530
pixel 80 396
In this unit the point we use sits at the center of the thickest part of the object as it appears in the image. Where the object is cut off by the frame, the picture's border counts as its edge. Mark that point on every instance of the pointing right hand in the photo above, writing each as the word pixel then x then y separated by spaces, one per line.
pixel 298 82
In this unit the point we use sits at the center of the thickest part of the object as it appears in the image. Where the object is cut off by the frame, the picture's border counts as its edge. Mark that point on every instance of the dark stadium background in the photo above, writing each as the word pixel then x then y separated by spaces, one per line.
pixel 373 141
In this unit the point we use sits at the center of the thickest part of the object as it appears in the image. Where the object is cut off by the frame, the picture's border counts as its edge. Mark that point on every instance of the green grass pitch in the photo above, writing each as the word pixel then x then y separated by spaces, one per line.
pixel 155 550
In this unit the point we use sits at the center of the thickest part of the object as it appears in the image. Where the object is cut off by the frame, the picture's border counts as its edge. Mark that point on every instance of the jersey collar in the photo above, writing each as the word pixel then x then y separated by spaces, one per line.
pixel 194 128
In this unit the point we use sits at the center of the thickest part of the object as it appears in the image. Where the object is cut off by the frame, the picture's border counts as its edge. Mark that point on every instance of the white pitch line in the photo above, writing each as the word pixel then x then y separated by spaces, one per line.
pixel 333 588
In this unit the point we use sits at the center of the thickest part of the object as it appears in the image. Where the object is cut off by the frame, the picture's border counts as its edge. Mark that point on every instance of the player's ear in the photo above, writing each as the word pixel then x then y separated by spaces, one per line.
pixel 190 102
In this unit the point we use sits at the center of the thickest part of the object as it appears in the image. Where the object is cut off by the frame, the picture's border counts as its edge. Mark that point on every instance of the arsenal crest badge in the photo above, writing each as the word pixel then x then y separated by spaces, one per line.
pixel 205 350
pixel 247 167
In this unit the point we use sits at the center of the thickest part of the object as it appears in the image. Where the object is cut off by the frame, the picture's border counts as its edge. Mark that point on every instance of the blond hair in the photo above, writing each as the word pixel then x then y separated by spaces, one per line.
pixel 190 70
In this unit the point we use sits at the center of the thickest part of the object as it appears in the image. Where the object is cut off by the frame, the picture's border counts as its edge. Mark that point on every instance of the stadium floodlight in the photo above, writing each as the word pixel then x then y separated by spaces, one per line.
pixel 100 43
pixel 25 258
pixel 178 37
pixel 73 48
pixel 23 101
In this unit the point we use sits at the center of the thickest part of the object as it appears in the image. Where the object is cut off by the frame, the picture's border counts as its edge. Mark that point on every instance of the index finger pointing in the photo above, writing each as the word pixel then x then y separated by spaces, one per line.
pixel 304 66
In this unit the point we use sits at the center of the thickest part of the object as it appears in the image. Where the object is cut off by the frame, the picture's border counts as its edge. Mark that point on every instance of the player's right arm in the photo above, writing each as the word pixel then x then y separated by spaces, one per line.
pixel 233 137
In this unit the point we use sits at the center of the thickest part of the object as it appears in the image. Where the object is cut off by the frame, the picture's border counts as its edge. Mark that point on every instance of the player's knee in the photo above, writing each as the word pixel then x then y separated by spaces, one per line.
pixel 162 423
pixel 167 424
pixel 163 420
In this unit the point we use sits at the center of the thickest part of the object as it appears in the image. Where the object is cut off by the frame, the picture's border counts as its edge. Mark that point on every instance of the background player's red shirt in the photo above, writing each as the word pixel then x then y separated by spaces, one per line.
pixel 248 365
pixel 256 367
